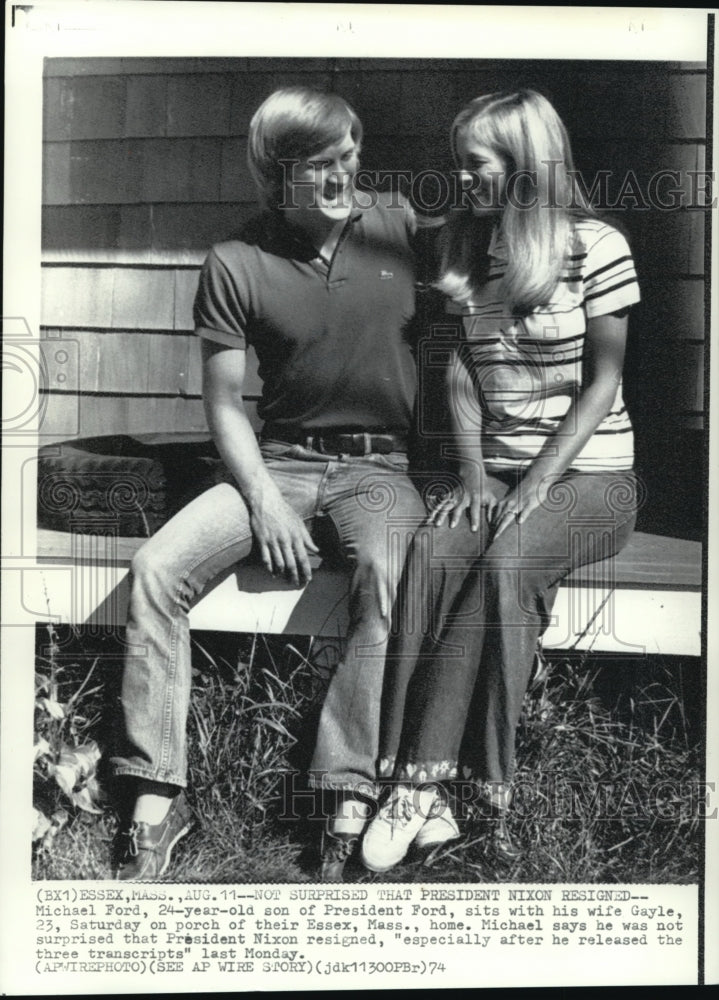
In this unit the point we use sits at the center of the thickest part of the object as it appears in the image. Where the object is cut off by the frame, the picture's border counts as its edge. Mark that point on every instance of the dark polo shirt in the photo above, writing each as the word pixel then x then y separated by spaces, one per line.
pixel 334 342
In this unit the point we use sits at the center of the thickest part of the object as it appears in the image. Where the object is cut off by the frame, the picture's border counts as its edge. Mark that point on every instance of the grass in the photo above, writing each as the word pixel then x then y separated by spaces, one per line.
pixel 600 798
pixel 608 754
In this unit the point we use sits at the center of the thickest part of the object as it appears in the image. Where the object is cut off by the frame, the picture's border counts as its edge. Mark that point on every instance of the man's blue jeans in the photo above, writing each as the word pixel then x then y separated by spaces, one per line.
pixel 375 510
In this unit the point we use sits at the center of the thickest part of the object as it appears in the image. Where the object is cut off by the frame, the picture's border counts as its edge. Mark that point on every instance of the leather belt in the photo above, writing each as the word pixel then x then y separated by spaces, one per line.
pixel 338 442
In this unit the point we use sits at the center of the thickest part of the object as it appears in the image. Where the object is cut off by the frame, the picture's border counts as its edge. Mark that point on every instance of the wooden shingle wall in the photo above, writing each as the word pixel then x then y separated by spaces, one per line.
pixel 144 168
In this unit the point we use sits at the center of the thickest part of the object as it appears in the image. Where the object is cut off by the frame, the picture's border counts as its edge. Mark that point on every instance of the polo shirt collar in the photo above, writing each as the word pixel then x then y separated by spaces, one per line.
pixel 356 213
pixel 295 235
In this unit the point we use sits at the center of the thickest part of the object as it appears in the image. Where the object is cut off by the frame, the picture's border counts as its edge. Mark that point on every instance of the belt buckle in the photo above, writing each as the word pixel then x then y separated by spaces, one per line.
pixel 343 444
pixel 352 444
pixel 336 444
pixel 386 444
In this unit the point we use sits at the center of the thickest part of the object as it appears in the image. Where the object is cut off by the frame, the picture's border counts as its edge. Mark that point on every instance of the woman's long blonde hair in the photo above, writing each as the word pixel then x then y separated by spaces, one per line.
pixel 523 127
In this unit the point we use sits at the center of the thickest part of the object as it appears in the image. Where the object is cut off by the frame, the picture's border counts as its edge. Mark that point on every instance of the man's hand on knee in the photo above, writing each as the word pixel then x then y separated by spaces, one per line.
pixel 284 541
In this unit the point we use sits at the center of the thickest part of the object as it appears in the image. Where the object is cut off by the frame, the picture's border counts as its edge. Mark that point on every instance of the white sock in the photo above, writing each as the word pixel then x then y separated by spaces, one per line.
pixel 351 816
pixel 151 809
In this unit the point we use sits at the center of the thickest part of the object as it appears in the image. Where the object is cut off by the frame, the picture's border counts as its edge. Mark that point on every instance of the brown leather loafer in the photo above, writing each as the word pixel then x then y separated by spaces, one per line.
pixel 146 849
pixel 501 843
pixel 492 823
pixel 335 851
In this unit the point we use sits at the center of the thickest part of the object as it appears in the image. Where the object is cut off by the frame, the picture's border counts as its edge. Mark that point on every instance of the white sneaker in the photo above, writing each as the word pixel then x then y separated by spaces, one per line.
pixel 438 829
pixel 387 838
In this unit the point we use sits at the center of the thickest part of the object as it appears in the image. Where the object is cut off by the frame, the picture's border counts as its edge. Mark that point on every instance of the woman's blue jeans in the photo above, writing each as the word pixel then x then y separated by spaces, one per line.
pixel 469 611
pixel 375 510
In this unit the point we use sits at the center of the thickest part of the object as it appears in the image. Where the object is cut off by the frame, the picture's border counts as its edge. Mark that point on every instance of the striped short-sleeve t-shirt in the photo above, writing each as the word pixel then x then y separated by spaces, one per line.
pixel 528 370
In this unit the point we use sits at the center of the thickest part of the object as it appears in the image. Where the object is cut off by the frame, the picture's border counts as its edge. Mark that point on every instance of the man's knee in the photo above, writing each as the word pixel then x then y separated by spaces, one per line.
pixel 379 559
pixel 148 569
pixel 371 578
pixel 141 565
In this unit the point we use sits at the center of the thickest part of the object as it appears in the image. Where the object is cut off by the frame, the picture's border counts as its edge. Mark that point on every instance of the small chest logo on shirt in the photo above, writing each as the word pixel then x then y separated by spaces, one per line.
pixel 384 275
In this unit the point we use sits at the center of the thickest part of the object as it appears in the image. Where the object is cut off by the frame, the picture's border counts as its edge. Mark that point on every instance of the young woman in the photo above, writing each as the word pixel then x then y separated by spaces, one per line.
pixel 540 288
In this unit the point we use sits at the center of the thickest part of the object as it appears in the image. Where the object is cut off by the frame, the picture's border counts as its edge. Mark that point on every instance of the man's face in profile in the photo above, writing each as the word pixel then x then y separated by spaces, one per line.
pixel 323 183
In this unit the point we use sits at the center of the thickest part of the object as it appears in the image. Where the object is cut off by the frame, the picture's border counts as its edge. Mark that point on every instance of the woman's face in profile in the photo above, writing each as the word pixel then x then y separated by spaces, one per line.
pixel 484 173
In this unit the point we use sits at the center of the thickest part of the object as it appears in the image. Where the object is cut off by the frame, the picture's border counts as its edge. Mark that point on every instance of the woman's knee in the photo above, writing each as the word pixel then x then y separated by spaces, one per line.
pixel 515 585
pixel 439 552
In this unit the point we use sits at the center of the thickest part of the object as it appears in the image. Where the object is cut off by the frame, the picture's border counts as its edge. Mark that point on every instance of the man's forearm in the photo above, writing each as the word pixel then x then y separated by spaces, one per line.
pixel 236 442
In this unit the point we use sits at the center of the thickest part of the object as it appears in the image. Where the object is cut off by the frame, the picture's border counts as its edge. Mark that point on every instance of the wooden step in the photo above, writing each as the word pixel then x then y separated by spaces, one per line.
pixel 650 606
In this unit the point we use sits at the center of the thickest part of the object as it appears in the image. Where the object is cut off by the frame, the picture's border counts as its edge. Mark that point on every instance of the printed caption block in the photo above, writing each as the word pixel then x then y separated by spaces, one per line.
pixel 237 936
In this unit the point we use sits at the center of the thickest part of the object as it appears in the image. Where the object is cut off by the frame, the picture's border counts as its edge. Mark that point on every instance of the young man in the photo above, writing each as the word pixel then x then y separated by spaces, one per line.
pixel 323 289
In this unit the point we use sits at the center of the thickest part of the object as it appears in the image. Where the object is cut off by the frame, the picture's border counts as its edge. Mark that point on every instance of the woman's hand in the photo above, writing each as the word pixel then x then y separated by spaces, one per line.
pixel 518 504
pixel 473 494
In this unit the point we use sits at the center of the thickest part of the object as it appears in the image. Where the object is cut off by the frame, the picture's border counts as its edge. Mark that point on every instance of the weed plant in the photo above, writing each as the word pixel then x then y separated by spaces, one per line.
pixel 69 802
pixel 608 754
